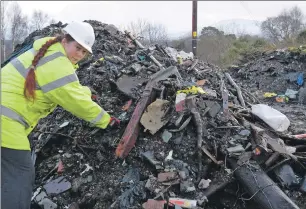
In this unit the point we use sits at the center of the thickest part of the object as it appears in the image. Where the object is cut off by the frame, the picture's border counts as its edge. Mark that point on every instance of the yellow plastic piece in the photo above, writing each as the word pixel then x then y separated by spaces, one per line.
pixel 192 90
pixel 269 95
pixel 101 59
pixel 179 59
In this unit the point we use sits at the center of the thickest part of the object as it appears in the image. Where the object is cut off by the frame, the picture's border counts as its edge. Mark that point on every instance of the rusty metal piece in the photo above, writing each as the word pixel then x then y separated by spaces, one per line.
pixel 130 134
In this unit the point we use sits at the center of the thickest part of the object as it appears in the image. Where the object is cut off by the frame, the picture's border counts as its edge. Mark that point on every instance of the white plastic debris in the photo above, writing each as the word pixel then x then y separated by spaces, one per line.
pixel 274 118
pixel 204 184
pixel 291 93
pixel 36 193
pixel 169 157
pixel 180 102
pixel 174 54
pixel 88 168
pixel 64 124
pixel 290 149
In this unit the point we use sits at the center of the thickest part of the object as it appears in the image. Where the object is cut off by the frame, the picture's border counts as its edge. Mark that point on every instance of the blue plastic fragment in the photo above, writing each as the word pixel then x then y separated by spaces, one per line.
pixel 300 79
pixel 141 57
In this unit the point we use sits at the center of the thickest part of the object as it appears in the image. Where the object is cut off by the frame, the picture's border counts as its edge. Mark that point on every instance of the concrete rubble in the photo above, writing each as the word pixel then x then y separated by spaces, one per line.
pixel 203 149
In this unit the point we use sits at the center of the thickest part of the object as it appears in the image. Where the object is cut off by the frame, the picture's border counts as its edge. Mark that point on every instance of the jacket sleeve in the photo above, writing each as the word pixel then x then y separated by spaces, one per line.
pixel 76 99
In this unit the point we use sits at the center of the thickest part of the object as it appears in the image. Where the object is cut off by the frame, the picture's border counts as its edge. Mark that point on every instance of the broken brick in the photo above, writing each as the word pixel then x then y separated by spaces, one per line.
pixel 153 204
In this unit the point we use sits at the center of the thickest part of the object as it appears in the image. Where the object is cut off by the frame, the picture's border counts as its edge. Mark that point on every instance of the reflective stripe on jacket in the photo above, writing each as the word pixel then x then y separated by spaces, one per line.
pixel 56 84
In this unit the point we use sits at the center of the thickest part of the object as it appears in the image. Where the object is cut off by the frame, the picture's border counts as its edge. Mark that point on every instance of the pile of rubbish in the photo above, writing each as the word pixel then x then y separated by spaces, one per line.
pixel 189 137
pixel 274 71
pixel 277 78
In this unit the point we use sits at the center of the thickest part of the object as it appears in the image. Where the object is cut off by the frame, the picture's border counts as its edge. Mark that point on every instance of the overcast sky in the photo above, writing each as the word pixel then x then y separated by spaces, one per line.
pixel 175 15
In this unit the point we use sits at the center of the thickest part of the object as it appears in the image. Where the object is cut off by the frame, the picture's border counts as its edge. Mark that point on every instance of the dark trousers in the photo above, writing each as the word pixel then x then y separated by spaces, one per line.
pixel 17 179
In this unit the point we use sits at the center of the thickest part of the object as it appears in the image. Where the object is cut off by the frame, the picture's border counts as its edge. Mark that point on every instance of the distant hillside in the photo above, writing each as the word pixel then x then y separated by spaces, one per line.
pixel 239 26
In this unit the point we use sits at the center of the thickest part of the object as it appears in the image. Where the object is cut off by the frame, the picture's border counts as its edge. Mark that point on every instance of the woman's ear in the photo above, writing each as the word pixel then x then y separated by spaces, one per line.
pixel 64 41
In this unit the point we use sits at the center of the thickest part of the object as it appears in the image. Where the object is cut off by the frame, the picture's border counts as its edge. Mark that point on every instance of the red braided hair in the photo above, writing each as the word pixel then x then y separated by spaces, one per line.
pixel 30 82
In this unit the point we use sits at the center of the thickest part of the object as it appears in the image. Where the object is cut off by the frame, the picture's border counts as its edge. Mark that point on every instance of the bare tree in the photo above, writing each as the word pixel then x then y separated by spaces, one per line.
pixel 18 23
pixel 52 21
pixel 157 34
pixel 39 19
pixel 285 26
pixel 3 27
pixel 138 28
pixel 149 33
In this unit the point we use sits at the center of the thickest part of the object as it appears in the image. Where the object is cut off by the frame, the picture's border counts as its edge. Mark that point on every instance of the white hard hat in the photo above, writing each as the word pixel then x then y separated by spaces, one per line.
pixel 81 32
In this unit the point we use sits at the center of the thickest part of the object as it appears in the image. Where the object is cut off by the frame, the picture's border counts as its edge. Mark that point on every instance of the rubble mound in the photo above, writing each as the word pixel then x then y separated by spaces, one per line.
pixel 197 130
pixel 281 72
pixel 273 71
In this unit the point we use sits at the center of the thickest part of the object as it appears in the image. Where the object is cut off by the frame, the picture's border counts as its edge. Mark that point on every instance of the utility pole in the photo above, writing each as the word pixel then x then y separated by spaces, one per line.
pixel 194 26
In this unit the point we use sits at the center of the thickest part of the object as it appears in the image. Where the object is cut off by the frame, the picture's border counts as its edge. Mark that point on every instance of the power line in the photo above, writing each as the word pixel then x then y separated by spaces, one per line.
pixel 244 5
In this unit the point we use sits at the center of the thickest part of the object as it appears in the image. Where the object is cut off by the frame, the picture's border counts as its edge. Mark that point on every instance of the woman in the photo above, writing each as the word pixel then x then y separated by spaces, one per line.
pixel 32 85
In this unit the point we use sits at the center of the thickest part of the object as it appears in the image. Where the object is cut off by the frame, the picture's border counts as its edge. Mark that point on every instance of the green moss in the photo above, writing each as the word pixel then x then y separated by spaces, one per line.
pixel 303 52
pixel 293 49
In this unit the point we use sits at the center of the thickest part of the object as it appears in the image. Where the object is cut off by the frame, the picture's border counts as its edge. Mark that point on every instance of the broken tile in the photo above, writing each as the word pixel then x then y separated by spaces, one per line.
pixel 57 186
pixel 170 178
pixel 153 204
pixel 235 149
pixel 126 84
pixel 166 136
pixel 152 118
pixel 201 82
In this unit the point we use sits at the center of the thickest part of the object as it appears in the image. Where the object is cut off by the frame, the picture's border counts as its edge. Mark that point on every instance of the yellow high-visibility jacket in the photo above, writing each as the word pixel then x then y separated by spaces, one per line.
pixel 57 84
